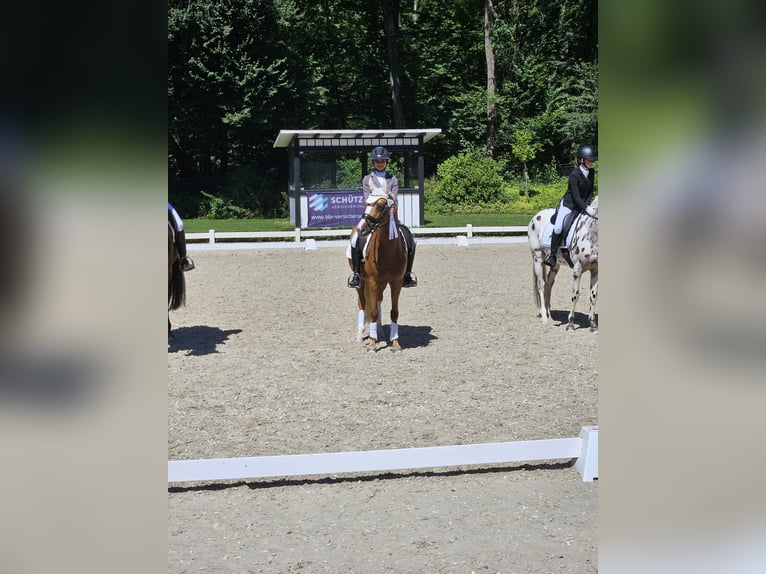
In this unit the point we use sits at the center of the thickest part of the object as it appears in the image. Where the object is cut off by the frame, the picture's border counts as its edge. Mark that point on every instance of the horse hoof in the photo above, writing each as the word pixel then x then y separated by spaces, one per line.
pixel 594 330
pixel 570 328
pixel 372 350
pixel 395 348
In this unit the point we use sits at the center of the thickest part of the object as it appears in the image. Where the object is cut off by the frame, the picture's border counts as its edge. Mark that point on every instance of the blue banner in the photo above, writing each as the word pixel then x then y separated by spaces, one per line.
pixel 335 208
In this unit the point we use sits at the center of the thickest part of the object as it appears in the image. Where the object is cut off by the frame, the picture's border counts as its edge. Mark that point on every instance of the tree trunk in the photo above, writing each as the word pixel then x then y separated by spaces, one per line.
pixel 489 12
pixel 390 15
pixel 563 28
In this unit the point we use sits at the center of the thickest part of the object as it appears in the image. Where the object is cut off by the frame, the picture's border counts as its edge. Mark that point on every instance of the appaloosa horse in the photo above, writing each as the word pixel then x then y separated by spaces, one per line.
pixel 176 281
pixel 582 242
pixel 385 262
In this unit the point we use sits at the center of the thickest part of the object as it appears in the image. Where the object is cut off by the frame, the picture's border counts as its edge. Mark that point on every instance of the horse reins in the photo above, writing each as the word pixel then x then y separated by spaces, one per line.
pixel 376 222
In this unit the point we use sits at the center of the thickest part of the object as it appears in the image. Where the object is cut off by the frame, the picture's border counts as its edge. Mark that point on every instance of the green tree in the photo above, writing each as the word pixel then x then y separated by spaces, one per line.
pixel 469 179
pixel 228 82
pixel 241 70
pixel 524 149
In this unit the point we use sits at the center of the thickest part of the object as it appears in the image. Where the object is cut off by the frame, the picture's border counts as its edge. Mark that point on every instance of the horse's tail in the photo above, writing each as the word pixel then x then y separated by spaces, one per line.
pixel 535 231
pixel 176 287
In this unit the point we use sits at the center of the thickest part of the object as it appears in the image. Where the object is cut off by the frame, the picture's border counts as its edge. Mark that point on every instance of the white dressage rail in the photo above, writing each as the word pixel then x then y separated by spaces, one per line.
pixel 584 449
pixel 297 235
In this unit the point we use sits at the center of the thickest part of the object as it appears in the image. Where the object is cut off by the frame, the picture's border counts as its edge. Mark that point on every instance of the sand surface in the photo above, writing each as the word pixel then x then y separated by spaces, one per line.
pixel 264 361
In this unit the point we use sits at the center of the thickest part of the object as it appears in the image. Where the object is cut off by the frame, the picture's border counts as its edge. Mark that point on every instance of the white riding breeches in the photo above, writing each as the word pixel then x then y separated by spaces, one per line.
pixel 561 216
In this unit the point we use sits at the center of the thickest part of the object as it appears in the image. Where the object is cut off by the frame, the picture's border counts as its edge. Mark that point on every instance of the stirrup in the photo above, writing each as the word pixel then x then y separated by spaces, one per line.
pixel 411 282
pixel 354 281
pixel 187 264
pixel 567 257
pixel 550 261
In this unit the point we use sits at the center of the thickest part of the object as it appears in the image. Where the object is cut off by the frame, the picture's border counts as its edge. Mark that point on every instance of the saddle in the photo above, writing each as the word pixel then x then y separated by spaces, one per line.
pixel 567 231
pixel 367 243
pixel 172 231
pixel 172 227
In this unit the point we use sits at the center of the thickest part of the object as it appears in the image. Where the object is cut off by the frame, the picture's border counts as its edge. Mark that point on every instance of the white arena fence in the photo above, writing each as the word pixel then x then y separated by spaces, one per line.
pixel 583 448
pixel 309 236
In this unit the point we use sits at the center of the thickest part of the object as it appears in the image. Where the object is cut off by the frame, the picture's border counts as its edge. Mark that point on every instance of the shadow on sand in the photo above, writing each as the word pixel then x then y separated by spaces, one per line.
pixel 413 337
pixel 581 320
pixel 198 340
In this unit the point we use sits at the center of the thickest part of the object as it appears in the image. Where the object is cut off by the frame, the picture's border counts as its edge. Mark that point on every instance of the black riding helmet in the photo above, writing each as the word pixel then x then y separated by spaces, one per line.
pixel 380 153
pixel 587 152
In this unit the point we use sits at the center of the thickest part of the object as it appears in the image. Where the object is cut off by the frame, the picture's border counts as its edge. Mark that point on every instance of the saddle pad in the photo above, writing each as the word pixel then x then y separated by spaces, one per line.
pixel 548 232
pixel 367 244
pixel 364 250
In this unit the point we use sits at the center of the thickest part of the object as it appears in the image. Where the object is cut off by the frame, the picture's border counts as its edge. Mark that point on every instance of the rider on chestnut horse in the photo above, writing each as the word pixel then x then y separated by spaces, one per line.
pixel 381 182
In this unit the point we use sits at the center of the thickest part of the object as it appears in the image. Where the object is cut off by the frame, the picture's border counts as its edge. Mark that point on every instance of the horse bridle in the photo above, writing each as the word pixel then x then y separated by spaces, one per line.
pixel 376 222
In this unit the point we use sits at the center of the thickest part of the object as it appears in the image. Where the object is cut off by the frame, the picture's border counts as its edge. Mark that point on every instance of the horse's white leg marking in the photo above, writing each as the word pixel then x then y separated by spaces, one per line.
pixel 374 331
pixel 395 291
pixel 360 325
pixel 374 317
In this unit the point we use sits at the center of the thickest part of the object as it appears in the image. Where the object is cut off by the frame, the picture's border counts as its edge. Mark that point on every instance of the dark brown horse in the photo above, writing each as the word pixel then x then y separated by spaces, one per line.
pixel 384 265
pixel 176 281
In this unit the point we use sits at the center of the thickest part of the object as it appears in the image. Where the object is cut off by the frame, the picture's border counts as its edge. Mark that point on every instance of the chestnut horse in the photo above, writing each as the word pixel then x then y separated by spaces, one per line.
pixel 176 281
pixel 385 262
pixel 582 241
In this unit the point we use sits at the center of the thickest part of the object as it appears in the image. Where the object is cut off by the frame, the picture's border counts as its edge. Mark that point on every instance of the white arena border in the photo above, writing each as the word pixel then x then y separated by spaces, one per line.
pixel 583 448
pixel 313 244
pixel 307 239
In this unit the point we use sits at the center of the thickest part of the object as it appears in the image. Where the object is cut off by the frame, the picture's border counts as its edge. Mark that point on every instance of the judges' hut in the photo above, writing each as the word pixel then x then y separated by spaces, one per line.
pixel 327 166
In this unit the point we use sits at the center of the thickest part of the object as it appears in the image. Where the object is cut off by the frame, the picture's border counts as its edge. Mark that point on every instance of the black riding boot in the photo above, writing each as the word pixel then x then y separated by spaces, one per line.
pixel 555 242
pixel 186 263
pixel 410 280
pixel 354 281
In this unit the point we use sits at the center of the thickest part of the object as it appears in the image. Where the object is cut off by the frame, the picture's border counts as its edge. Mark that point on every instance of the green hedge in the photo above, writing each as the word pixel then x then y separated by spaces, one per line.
pixel 504 197
pixel 474 183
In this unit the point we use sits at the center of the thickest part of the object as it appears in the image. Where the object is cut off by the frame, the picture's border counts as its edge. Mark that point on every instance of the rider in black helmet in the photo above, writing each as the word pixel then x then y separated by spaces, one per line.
pixel 576 199
pixel 379 181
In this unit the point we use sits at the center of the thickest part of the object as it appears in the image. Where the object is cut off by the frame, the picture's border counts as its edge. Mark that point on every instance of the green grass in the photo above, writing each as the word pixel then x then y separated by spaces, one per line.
pixel 203 225
pixel 431 220
pixel 477 220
